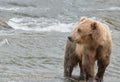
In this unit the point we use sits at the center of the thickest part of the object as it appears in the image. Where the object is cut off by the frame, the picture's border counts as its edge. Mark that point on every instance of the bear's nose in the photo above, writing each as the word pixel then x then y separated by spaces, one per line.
pixel 70 38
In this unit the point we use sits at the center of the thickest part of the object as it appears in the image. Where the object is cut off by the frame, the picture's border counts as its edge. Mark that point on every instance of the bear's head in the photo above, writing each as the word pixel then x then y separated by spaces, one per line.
pixel 86 31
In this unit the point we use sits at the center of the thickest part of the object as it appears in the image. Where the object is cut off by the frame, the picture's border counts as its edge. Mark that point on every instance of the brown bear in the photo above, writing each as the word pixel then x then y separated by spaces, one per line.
pixel 89 41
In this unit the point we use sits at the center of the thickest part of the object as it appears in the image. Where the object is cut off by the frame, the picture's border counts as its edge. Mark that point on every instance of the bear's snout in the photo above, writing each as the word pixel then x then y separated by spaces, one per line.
pixel 70 38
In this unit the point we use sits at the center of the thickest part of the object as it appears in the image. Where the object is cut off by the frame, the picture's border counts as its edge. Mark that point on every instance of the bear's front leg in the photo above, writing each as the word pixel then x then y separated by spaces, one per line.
pixel 70 61
pixel 68 68
pixel 102 64
pixel 88 72
pixel 88 62
pixel 103 61
pixel 82 74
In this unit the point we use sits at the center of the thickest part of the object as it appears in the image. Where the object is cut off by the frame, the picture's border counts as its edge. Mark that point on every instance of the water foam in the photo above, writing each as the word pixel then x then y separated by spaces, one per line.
pixel 38 25
pixel 114 8
pixel 4 41
pixel 9 9
pixel 110 9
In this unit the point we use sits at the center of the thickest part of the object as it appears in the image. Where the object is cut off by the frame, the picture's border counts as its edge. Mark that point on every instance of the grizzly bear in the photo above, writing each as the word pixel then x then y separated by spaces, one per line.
pixel 89 41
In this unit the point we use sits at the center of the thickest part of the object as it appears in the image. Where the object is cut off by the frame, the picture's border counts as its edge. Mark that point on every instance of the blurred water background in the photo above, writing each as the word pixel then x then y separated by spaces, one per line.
pixel 32 45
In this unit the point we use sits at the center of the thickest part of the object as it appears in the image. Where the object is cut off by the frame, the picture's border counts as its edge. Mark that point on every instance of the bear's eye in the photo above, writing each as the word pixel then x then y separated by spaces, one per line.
pixel 78 30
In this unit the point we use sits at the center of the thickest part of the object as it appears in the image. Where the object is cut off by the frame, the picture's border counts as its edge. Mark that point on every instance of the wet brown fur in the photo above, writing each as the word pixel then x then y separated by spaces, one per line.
pixel 94 43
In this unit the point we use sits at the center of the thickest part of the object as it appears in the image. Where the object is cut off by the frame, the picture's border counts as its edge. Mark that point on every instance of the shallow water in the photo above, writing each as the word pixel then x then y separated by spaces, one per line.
pixel 33 50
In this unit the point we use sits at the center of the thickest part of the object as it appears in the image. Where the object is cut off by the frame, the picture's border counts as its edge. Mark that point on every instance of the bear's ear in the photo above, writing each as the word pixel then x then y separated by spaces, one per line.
pixel 94 26
pixel 95 31
pixel 83 18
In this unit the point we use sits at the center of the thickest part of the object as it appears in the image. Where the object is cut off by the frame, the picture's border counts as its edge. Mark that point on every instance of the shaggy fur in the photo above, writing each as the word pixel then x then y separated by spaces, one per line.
pixel 89 41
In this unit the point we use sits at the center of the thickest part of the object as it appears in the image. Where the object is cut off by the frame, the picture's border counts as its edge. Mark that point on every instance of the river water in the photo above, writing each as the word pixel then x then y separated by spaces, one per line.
pixel 33 50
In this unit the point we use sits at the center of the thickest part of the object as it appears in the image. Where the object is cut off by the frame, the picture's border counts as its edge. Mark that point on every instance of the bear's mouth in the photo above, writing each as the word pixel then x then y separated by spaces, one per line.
pixel 77 41
pixel 72 40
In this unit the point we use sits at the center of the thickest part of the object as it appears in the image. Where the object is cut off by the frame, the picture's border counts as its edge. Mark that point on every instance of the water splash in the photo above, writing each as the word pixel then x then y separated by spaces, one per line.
pixel 3 42
pixel 38 25
pixel 9 9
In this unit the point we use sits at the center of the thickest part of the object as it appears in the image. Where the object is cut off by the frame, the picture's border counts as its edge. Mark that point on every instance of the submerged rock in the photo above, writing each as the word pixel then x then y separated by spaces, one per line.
pixel 4 25
pixel 113 22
